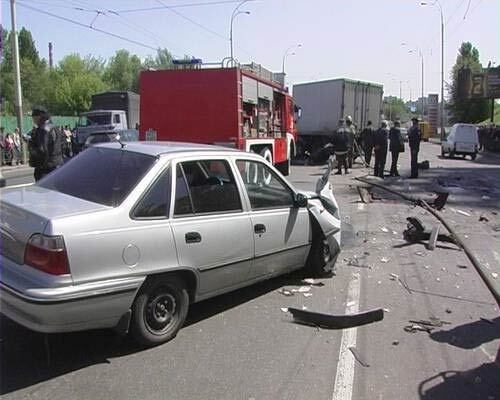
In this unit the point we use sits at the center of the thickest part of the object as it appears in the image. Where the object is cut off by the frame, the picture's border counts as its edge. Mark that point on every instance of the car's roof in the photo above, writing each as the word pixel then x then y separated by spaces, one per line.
pixel 159 148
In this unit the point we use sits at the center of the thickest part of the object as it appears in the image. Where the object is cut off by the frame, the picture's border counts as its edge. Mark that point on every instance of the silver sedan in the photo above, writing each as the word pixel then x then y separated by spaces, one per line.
pixel 127 236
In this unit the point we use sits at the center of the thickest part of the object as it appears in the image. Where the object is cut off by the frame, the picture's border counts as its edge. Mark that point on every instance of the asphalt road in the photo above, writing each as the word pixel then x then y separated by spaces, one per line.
pixel 242 346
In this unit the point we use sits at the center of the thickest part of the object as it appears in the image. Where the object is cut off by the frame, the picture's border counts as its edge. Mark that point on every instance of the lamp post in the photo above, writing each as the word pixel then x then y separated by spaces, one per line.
pixel 235 13
pixel 287 53
pixel 441 109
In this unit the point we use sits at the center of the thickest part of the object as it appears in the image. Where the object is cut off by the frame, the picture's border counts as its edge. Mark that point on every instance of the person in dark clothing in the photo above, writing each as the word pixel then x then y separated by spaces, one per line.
pixel 414 142
pixel 396 146
pixel 367 141
pixel 351 134
pixel 380 146
pixel 44 146
pixel 340 142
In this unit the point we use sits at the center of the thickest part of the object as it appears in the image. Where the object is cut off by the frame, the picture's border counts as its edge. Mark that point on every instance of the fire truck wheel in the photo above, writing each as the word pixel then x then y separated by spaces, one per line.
pixel 266 153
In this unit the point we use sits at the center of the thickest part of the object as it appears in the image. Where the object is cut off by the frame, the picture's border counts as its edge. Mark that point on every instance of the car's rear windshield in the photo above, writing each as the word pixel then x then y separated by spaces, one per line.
pixel 101 175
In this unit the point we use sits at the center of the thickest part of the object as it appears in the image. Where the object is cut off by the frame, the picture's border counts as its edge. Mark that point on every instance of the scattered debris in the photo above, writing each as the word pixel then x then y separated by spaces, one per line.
pixel 426 267
pixel 302 289
pixel 483 218
pixel 462 266
pixel 433 238
pixel 456 210
pixel 285 292
pixel 284 309
pixel 393 277
pixel 330 321
pixel 416 328
pixel 432 321
pixel 416 232
pixel 395 342
pixel 364 194
pixel 494 275
pixel 438 279
pixel 313 282
pixel 394 233
pixel 448 311
pixel 384 229
pixel 357 357
pixel 384 260
pixel 386 310
pixel 307 294
pixel 440 201
pixel 424 164
pixel 485 197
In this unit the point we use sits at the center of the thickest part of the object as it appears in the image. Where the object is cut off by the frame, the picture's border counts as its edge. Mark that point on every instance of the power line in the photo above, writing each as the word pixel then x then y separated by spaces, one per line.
pixel 212 3
pixel 88 26
pixel 466 11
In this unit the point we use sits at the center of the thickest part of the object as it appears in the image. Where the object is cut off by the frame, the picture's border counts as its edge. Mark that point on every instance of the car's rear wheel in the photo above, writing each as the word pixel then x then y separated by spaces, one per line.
pixel 443 153
pixel 473 156
pixel 159 310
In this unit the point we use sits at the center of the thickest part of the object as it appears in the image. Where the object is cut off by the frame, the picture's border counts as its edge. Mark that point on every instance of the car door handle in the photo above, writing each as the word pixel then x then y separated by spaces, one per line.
pixel 193 237
pixel 259 228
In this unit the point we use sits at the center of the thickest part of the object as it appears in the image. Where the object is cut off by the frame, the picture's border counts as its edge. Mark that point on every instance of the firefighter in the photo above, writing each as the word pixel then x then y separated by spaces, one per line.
pixel 414 138
pixel 366 139
pixel 396 146
pixel 351 132
pixel 380 146
pixel 340 142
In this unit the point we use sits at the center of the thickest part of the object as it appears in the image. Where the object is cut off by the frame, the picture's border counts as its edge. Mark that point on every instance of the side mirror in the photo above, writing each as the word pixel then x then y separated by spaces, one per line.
pixel 300 200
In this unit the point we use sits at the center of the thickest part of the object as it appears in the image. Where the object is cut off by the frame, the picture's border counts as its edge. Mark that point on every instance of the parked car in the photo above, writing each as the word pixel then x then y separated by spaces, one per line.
pixel 462 140
pixel 129 236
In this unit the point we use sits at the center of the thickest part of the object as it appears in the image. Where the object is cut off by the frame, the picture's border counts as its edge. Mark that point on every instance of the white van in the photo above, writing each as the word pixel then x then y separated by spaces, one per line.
pixel 462 140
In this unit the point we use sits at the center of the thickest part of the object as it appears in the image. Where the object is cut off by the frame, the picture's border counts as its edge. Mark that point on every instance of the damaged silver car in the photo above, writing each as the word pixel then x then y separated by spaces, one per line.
pixel 128 236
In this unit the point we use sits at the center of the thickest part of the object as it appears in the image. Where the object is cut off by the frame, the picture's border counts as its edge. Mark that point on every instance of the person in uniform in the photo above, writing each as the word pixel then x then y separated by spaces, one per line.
pixel 380 147
pixel 414 137
pixel 340 142
pixel 366 139
pixel 396 146
pixel 351 132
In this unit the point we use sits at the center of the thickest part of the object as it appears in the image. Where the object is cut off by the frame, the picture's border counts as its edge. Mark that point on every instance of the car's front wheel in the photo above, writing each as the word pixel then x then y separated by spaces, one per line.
pixel 443 153
pixel 473 156
pixel 319 257
pixel 159 310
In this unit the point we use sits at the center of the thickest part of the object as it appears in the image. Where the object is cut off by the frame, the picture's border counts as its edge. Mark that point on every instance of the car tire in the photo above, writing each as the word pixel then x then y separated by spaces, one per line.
pixel 451 154
pixel 443 153
pixel 319 257
pixel 159 310
pixel 473 156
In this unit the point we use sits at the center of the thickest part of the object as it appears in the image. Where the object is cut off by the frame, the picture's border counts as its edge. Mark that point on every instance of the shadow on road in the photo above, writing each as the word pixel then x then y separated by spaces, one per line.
pixel 471 335
pixel 28 357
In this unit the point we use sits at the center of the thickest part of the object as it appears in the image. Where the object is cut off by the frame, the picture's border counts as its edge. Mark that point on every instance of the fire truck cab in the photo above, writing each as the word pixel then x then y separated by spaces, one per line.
pixel 245 107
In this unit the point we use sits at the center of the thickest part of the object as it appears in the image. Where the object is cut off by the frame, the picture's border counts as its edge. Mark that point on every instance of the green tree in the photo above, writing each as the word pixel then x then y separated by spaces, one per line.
pixel 27 48
pixel 467 110
pixel 395 109
pixel 122 71
pixel 162 60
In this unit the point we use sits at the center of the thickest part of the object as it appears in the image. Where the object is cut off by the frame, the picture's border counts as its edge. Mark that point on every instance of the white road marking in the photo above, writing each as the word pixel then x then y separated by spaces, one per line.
pixel 344 378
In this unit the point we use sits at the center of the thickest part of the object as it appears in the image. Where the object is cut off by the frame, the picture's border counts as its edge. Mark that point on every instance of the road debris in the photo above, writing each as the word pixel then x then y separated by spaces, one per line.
pixel 330 321
pixel 431 245
pixel 284 309
pixel 357 357
pixel 285 292
pixel 313 282
pixel 415 232
pixel 485 197
pixel 395 342
pixel 494 275
pixel 384 260
pixel 364 194
pixel 483 218
pixel 462 266
pixel 393 277
pixel 307 294
pixel 456 210
pixel 302 289
pixel 417 328
pixel 432 321
pixel 384 229
pixel 448 311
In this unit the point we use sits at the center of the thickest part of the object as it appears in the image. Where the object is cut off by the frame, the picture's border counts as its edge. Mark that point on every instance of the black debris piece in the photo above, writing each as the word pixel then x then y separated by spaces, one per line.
pixel 329 321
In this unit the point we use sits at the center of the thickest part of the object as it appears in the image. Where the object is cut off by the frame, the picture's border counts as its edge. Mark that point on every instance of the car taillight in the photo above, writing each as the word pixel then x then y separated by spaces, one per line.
pixel 47 254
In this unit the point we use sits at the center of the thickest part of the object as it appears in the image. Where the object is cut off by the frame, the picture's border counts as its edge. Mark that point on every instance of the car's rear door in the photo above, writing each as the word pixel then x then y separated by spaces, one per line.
pixel 281 231
pixel 212 232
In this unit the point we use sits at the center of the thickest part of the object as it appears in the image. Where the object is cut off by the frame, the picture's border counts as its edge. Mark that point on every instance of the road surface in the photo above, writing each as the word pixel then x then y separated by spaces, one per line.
pixel 242 346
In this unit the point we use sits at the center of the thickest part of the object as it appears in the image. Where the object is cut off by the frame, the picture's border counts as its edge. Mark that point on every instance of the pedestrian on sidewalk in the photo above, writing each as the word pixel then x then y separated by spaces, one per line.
pixel 8 149
pixel 44 146
pixel 414 142
pixel 380 146
pixel 340 142
pixel 366 139
pixel 2 145
pixel 396 146
pixel 16 137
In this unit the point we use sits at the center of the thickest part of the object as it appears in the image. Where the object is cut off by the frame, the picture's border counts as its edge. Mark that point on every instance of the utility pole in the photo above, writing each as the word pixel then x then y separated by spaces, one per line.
pixel 17 75
pixel 442 74
pixel 400 90
pixel 51 61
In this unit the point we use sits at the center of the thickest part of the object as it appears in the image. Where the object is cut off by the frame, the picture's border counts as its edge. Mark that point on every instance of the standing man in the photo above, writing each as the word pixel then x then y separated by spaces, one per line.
pixel 45 147
pixel 351 132
pixel 340 143
pixel 380 146
pixel 414 142
pixel 366 138
pixel 396 146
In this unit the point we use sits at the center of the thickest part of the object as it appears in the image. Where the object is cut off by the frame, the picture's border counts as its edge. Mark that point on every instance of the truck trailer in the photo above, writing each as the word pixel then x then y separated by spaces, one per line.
pixel 323 103
pixel 245 107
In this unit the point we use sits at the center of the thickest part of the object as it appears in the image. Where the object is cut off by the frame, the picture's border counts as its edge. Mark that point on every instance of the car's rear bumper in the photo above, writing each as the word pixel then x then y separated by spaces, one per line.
pixel 80 307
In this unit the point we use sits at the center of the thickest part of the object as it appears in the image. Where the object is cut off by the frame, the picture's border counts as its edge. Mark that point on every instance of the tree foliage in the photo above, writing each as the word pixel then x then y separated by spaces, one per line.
pixel 67 88
pixel 395 109
pixel 467 110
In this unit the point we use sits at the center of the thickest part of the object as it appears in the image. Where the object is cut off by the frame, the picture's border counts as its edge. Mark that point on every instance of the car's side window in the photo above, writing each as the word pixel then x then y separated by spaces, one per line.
pixel 205 186
pixel 156 202
pixel 264 188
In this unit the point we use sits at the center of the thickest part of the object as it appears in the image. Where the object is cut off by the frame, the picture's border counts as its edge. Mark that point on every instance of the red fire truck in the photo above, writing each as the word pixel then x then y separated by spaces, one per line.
pixel 245 107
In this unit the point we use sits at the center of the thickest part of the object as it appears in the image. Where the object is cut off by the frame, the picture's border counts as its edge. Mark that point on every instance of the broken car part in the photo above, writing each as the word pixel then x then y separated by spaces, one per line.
pixel 330 321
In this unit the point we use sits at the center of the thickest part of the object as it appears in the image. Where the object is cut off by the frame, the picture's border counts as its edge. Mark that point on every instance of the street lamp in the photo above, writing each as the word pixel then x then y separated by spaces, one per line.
pixel 235 13
pixel 286 54
pixel 421 55
pixel 441 110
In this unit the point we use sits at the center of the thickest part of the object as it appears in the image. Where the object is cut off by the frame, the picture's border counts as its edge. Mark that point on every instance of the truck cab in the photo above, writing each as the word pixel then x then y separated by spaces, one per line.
pixel 100 120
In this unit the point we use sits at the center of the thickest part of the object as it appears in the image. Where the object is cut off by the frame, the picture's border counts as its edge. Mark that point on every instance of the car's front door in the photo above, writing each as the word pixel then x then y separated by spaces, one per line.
pixel 211 231
pixel 281 230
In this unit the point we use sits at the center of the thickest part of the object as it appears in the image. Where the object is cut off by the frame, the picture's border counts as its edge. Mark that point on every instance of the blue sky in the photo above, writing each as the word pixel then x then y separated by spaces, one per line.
pixel 357 39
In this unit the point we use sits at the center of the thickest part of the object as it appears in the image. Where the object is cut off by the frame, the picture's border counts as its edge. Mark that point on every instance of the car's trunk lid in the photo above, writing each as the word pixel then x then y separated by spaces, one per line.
pixel 27 210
